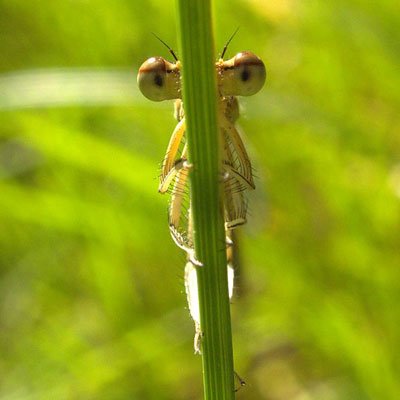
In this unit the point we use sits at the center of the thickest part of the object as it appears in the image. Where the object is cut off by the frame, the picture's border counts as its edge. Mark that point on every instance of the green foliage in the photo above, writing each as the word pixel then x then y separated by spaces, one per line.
pixel 91 288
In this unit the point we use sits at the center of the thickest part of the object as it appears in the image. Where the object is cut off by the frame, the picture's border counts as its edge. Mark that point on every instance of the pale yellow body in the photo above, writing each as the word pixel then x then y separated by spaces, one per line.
pixel 242 75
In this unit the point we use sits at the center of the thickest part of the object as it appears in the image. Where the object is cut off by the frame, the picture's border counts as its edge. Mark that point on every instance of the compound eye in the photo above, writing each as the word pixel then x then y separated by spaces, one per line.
pixel 249 73
pixel 159 79
pixel 243 75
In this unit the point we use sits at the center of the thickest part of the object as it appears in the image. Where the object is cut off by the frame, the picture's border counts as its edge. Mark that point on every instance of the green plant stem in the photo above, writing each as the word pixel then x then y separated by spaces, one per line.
pixel 200 104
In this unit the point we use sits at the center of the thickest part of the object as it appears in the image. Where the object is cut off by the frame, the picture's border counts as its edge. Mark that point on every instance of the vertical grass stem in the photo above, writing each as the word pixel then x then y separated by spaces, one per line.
pixel 201 113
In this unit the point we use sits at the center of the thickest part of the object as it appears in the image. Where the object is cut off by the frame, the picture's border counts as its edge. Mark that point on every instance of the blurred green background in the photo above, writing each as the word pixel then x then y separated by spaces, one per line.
pixel 91 285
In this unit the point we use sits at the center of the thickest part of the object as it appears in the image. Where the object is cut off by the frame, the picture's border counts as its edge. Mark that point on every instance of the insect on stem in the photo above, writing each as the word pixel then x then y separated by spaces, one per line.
pixel 242 75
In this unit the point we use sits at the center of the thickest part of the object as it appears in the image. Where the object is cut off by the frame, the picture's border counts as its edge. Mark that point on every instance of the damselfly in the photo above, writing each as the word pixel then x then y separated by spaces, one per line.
pixel 158 80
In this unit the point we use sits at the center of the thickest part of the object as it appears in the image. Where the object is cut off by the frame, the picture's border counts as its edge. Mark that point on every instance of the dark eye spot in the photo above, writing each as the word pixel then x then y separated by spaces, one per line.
pixel 245 75
pixel 158 80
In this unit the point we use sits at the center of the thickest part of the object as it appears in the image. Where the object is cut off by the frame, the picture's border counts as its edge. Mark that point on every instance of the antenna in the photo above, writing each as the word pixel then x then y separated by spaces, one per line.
pixel 227 43
pixel 165 44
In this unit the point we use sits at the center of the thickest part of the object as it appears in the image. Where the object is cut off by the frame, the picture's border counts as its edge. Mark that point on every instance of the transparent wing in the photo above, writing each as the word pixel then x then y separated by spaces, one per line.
pixel 179 214
pixel 236 177
pixel 236 162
